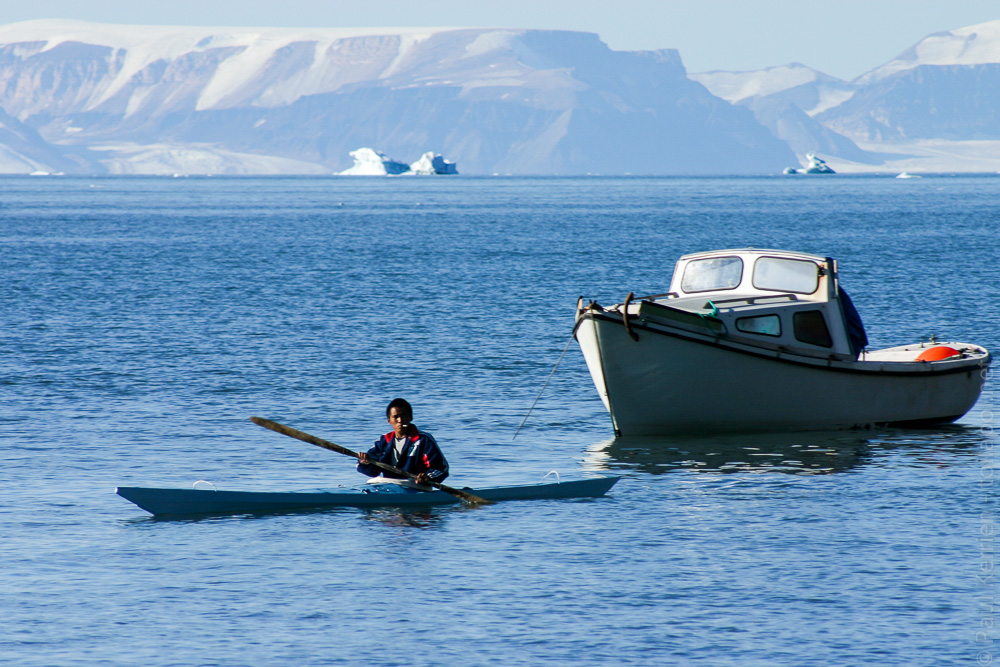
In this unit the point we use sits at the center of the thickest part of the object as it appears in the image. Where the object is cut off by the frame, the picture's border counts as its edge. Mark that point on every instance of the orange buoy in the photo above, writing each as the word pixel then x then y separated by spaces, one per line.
pixel 937 353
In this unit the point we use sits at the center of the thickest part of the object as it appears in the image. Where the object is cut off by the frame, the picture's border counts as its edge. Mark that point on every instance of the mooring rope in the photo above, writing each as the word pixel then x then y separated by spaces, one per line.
pixel 558 361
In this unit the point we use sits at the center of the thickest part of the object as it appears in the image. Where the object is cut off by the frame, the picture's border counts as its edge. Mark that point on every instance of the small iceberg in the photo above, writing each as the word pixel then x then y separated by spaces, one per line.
pixel 906 174
pixel 369 162
pixel 431 163
pixel 815 166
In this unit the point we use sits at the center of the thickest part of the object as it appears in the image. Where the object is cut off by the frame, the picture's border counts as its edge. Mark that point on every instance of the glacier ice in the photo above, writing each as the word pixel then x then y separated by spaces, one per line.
pixel 432 163
pixel 815 166
pixel 369 162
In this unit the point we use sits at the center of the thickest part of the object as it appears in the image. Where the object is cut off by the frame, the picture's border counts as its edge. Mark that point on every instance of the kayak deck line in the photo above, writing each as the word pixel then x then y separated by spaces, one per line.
pixel 177 502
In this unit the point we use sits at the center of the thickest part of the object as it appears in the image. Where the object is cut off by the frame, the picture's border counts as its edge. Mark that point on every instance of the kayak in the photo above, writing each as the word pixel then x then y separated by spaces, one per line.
pixel 160 502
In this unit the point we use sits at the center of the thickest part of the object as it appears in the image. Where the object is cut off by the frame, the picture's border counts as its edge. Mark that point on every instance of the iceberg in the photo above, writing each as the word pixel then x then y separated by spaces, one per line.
pixel 432 163
pixel 369 162
pixel 815 166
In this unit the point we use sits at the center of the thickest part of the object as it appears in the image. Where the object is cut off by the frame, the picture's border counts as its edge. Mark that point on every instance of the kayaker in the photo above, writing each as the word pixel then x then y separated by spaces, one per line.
pixel 405 447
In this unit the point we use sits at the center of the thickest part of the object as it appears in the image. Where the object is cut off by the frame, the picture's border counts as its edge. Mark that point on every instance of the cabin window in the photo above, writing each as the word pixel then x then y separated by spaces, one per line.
pixel 766 325
pixel 709 275
pixel 786 275
pixel 810 328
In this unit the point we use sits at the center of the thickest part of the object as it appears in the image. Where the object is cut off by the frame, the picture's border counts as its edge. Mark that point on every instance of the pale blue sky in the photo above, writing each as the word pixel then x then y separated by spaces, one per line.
pixel 844 38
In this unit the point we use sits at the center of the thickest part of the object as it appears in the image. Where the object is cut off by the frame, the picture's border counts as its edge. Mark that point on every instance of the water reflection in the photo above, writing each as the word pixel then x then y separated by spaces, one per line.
pixel 399 518
pixel 423 518
pixel 940 447
pixel 806 453
pixel 233 516
pixel 795 453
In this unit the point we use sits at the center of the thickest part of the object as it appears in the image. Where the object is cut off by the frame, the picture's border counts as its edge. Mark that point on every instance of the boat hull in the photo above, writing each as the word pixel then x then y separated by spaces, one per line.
pixel 672 381
pixel 163 502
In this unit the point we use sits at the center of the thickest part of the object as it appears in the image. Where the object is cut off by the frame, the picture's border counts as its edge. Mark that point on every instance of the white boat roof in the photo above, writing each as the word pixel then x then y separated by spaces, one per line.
pixel 824 288
pixel 755 251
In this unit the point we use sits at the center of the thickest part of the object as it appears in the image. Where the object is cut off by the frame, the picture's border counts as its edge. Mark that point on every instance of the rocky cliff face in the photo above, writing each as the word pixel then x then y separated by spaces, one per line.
pixel 955 102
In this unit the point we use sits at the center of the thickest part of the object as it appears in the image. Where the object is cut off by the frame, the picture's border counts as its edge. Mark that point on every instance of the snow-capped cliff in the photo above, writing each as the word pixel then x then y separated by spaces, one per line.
pixel 95 98
pixel 935 107
pixel 946 87
pixel 510 101
pixel 969 46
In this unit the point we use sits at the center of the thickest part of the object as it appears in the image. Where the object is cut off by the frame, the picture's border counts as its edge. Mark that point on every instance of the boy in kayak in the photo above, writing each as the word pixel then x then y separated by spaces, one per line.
pixel 405 447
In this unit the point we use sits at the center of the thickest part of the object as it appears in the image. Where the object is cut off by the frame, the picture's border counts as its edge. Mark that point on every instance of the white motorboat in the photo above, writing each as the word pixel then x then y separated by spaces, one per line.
pixel 759 341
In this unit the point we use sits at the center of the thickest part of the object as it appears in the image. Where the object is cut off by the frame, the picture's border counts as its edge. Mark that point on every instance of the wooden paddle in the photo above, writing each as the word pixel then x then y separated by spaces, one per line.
pixel 319 442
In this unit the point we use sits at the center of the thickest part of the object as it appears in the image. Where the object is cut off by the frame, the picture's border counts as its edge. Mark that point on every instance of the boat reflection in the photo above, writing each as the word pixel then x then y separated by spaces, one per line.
pixel 806 453
pixel 398 518
pixel 424 518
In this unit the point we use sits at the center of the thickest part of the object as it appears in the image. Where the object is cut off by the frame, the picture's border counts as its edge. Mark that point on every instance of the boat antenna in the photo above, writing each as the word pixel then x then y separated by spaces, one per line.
pixel 543 386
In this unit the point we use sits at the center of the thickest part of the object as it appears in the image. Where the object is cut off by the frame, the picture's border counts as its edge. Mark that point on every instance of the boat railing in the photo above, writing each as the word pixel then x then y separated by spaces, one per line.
pixel 754 299
pixel 748 299
pixel 669 295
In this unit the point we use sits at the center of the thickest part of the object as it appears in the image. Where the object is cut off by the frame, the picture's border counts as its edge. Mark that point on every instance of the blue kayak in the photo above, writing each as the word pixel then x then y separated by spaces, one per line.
pixel 161 502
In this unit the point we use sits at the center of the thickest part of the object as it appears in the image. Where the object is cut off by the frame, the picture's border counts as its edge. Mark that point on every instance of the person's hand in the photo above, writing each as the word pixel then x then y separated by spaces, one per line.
pixel 423 479
pixel 363 458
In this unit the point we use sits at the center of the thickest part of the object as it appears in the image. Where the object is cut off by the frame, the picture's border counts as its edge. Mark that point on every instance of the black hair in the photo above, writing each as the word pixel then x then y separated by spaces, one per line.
pixel 402 405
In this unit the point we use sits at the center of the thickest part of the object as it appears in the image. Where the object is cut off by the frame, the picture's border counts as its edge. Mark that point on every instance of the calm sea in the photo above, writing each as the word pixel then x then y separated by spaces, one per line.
pixel 144 320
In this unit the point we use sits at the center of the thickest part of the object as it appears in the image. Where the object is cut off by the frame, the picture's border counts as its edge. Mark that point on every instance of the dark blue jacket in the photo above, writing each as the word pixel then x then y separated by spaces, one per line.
pixel 421 454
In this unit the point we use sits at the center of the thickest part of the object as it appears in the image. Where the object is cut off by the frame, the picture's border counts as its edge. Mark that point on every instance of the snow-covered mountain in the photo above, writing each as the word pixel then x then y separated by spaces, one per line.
pixel 95 98
pixel 970 46
pixel 809 89
pixel 166 99
pixel 946 87
pixel 935 107
pixel 785 99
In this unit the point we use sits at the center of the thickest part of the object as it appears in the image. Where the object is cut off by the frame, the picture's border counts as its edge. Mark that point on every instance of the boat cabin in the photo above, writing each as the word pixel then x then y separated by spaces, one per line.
pixel 775 299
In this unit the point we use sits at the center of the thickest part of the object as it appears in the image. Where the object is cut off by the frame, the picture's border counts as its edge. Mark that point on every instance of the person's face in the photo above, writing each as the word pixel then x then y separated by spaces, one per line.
pixel 400 421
